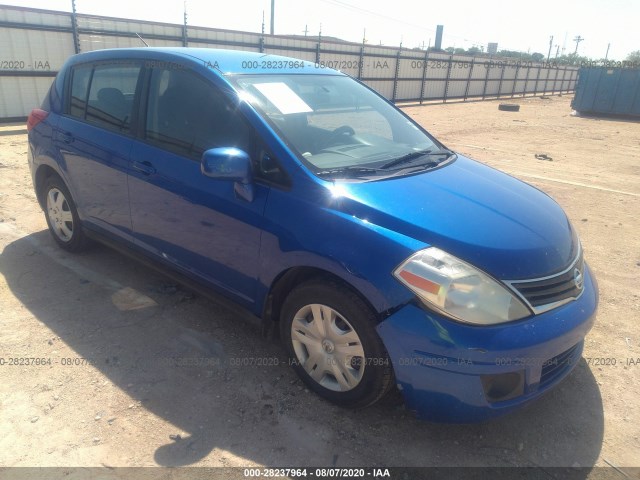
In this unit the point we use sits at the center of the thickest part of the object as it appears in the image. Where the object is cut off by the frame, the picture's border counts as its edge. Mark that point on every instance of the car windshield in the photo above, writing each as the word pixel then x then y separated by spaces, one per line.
pixel 338 127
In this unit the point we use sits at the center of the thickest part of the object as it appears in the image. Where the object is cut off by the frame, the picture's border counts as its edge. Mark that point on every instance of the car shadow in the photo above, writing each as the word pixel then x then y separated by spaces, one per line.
pixel 195 365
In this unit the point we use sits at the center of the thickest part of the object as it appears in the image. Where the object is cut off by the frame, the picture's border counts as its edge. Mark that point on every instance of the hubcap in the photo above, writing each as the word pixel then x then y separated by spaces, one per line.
pixel 59 214
pixel 328 347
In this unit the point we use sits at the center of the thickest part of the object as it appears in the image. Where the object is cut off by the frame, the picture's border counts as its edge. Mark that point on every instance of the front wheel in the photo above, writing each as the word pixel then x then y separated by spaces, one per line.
pixel 62 215
pixel 329 334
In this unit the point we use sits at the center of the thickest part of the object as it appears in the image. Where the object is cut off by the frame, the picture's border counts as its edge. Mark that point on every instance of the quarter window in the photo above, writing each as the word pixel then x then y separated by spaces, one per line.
pixel 81 77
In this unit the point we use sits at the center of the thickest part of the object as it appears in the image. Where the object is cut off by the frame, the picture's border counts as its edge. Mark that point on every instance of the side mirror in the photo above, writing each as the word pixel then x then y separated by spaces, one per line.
pixel 229 164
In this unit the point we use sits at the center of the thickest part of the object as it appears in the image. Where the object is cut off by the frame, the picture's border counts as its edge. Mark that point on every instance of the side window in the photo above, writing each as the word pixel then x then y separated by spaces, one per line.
pixel 103 94
pixel 111 95
pixel 80 78
pixel 187 115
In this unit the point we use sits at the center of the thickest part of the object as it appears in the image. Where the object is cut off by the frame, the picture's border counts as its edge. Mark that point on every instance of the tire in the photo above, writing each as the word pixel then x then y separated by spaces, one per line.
pixel 62 216
pixel 329 334
pixel 509 107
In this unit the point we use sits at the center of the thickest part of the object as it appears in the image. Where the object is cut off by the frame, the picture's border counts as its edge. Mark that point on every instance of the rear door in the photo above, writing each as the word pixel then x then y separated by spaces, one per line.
pixel 94 138
pixel 193 222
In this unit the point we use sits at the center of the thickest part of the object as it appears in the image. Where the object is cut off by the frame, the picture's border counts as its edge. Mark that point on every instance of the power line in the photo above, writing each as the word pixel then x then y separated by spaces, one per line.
pixel 340 3
pixel 354 8
pixel 358 9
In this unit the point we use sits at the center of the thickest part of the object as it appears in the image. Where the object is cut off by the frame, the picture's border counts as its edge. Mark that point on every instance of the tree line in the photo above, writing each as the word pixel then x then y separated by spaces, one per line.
pixel 568 59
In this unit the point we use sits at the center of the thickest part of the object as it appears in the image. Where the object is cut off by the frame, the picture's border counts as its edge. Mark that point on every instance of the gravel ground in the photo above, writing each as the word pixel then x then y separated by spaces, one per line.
pixel 113 397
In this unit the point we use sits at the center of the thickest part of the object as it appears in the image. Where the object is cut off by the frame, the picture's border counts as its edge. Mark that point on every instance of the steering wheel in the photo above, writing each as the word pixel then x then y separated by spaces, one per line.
pixel 339 136
pixel 343 130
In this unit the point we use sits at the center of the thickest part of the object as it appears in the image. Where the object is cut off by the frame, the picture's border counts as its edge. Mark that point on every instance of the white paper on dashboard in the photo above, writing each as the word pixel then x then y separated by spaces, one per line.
pixel 284 99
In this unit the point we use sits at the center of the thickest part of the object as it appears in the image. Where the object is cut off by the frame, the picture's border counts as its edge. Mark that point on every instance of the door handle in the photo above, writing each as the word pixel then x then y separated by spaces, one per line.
pixel 67 137
pixel 146 168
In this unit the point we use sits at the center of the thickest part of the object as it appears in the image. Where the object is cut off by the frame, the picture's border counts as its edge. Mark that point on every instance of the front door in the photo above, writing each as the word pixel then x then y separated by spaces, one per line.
pixel 191 221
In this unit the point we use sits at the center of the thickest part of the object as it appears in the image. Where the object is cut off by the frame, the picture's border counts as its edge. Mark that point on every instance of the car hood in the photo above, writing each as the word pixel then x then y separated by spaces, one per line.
pixel 506 227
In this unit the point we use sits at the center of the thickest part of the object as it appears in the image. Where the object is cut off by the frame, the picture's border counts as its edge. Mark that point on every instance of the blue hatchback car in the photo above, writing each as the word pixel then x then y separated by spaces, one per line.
pixel 381 257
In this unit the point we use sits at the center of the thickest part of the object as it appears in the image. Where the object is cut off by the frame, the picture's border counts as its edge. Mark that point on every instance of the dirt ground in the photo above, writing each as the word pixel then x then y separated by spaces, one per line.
pixel 112 395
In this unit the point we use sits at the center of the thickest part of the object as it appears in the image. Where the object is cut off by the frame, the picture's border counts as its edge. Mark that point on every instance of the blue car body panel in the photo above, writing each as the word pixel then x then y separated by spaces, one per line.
pixel 439 363
pixel 357 231
pixel 90 152
pixel 196 223
pixel 508 229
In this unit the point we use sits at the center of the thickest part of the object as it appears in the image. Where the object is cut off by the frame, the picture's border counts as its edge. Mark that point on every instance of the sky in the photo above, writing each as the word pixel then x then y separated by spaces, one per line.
pixel 520 26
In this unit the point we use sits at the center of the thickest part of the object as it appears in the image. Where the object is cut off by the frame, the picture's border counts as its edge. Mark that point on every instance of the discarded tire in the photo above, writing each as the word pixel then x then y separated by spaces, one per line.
pixel 509 107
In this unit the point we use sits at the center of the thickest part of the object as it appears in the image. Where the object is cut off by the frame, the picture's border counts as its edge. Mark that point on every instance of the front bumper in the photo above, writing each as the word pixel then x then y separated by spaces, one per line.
pixel 458 373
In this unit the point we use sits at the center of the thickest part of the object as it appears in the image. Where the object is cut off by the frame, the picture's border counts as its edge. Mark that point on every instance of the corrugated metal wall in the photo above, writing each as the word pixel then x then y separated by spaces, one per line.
pixel 609 91
pixel 35 43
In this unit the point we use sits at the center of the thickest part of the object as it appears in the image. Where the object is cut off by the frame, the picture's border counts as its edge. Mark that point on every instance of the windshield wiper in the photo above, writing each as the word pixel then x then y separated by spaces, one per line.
pixel 417 154
pixel 358 171
pixel 351 171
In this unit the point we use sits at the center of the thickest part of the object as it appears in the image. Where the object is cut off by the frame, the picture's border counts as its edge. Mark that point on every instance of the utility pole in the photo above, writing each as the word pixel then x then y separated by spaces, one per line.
pixel 74 24
pixel 607 54
pixel 306 30
pixel 273 12
pixel 364 36
pixel 185 35
pixel 262 36
pixel 577 39
pixel 557 51
pixel 550 45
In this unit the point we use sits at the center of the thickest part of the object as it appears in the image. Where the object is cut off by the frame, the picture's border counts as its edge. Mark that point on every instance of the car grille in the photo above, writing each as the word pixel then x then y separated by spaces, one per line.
pixel 546 293
pixel 559 364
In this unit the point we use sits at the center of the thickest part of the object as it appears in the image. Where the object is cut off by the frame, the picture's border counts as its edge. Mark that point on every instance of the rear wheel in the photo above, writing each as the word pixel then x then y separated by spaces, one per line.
pixel 62 215
pixel 329 333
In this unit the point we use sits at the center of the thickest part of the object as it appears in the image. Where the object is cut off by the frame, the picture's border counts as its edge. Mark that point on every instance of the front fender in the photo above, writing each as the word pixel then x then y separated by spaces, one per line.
pixel 303 231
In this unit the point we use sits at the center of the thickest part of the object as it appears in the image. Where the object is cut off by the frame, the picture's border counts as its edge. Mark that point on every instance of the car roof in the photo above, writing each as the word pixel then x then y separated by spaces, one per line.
pixel 227 62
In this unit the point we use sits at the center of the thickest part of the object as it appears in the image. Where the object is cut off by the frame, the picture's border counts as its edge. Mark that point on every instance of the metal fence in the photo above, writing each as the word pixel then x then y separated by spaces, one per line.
pixel 35 43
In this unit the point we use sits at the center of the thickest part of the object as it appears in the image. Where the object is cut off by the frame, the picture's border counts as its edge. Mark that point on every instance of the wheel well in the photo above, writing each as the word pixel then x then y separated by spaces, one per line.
pixel 44 172
pixel 286 282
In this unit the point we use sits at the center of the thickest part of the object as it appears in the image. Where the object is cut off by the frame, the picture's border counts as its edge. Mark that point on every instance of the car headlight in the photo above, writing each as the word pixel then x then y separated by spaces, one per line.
pixel 458 289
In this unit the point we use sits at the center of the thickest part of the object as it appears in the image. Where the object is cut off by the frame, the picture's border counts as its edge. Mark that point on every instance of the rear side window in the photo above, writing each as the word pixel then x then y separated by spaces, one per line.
pixel 111 96
pixel 103 94
pixel 187 115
